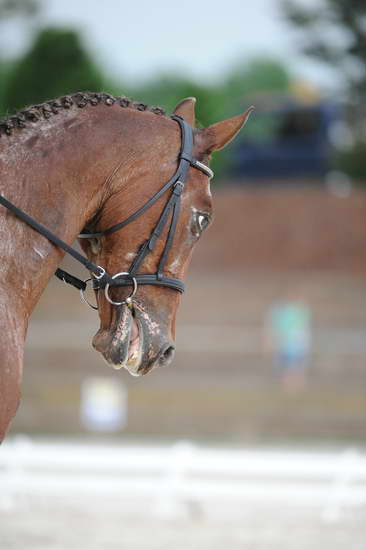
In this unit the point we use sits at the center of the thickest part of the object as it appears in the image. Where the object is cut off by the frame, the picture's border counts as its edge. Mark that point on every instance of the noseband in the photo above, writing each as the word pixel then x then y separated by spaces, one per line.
pixel 101 279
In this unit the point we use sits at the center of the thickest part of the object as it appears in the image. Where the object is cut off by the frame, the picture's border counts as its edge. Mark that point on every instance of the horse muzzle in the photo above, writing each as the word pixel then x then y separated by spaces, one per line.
pixel 135 342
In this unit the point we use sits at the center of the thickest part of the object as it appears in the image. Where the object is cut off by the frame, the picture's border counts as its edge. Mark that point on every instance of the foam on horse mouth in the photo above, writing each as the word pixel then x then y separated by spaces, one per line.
pixel 134 338
pixel 134 348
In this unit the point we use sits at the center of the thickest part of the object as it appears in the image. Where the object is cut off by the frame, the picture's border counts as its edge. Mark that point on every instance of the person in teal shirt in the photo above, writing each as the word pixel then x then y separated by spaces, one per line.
pixel 289 324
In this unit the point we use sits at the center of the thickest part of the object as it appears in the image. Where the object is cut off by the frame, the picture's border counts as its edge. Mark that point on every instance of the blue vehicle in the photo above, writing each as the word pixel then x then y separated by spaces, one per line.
pixel 287 142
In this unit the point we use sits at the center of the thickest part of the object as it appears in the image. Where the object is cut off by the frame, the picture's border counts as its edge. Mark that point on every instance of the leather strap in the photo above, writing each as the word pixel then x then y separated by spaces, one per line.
pixel 50 236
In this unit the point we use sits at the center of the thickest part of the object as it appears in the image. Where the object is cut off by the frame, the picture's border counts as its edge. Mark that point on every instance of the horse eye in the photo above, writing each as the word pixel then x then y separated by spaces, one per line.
pixel 201 221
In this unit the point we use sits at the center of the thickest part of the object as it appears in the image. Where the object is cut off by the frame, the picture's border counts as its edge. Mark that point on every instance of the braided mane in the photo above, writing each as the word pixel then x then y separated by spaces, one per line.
pixel 80 100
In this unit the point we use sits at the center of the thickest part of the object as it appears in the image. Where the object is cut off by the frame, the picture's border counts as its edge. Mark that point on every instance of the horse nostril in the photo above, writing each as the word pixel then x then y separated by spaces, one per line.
pixel 166 356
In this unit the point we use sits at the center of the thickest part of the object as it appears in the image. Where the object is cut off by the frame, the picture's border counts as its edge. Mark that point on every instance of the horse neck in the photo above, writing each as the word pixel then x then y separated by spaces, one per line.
pixel 57 173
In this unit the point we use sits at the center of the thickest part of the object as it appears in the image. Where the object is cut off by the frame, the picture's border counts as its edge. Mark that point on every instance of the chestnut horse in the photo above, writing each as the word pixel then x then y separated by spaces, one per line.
pixel 76 168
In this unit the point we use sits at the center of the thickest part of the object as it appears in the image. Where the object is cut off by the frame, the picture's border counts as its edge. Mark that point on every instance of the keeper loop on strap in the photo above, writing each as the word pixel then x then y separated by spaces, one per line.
pixel 178 188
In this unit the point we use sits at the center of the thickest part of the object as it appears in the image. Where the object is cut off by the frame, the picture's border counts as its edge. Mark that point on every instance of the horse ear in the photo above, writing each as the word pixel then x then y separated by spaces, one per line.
pixel 218 135
pixel 186 110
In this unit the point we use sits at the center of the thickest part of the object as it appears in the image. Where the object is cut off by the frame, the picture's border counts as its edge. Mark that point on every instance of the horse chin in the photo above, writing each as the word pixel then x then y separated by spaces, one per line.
pixel 136 341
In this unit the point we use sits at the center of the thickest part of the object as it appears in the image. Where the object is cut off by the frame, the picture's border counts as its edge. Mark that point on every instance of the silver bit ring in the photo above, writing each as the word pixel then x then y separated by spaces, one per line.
pixel 128 300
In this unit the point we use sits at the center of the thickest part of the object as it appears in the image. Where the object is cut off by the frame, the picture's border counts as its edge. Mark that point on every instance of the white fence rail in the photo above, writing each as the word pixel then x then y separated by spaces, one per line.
pixel 173 475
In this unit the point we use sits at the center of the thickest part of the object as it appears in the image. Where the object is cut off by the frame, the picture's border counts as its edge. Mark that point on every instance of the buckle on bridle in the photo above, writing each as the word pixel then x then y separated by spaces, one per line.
pixel 101 274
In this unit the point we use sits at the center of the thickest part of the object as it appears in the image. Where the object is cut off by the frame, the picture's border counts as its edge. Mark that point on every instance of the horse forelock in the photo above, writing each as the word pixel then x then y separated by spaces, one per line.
pixel 44 111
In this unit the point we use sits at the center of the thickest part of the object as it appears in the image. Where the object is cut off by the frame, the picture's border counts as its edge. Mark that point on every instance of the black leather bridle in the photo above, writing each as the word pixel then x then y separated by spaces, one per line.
pixel 101 279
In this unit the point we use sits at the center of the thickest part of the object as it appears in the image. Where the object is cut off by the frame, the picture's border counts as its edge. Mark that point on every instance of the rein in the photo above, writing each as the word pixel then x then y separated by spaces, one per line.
pixel 101 279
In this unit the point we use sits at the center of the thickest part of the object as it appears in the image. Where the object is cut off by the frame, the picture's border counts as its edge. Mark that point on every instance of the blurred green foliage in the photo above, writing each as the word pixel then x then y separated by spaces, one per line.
pixel 334 33
pixel 56 64
pixel 10 8
pixel 353 161
pixel 4 75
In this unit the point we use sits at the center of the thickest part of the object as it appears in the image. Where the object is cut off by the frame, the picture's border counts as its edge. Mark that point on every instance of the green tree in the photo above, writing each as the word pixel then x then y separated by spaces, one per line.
pixel 56 64
pixel 27 8
pixel 334 33
pixel 4 73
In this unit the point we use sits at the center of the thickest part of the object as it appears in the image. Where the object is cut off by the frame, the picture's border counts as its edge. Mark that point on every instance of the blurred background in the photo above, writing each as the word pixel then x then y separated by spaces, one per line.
pixel 260 424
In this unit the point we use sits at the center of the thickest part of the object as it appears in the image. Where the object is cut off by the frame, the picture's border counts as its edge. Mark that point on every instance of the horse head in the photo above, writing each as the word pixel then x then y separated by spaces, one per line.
pixel 139 333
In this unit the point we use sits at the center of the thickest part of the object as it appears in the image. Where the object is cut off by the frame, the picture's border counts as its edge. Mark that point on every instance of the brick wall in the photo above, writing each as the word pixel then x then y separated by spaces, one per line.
pixel 285 229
